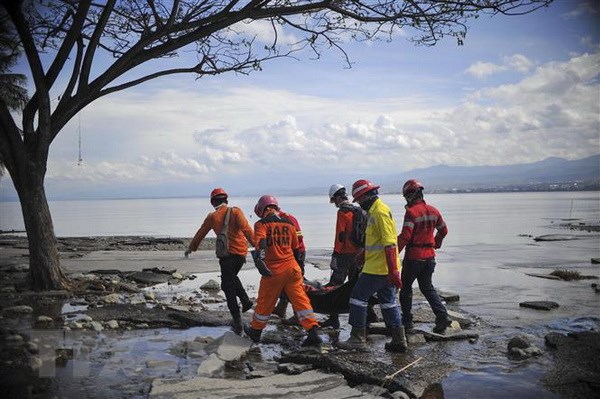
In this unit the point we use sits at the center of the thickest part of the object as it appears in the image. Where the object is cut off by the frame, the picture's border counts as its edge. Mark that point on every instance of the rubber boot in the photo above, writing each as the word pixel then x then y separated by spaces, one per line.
pixel 253 334
pixel 281 307
pixel 357 340
pixel 333 321
pixel 398 342
pixel 313 338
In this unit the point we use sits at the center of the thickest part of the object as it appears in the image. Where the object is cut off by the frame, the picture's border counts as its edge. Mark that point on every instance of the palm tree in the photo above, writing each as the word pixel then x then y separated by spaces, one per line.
pixel 12 85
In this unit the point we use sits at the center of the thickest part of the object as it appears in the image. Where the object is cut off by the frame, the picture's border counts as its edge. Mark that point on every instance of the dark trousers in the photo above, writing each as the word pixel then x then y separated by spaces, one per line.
pixel 422 271
pixel 231 284
pixel 346 268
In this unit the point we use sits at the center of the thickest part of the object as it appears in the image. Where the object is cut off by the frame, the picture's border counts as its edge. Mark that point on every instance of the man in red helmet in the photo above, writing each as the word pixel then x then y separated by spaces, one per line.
pixel 421 221
pixel 276 258
pixel 239 233
pixel 380 273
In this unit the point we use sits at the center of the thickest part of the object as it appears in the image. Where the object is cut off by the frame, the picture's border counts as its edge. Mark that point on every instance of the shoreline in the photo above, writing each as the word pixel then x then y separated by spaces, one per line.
pixel 134 253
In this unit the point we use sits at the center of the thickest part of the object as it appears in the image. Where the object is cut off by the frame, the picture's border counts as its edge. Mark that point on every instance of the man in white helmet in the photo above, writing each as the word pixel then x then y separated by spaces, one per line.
pixel 344 260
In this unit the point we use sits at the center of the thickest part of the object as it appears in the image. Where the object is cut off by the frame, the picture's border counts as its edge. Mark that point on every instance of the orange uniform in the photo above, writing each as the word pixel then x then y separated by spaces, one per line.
pixel 277 237
pixel 238 230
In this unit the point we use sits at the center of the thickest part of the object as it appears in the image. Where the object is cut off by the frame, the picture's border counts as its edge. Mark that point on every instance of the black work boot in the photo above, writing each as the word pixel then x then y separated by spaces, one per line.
pixel 312 339
pixel 253 334
pixel 333 321
pixel 441 325
pixel 398 342
pixel 357 340
pixel 281 307
pixel 236 326
pixel 246 306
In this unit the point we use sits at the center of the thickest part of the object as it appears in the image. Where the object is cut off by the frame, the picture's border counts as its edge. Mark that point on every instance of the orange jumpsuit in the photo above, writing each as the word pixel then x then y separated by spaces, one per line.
pixel 276 235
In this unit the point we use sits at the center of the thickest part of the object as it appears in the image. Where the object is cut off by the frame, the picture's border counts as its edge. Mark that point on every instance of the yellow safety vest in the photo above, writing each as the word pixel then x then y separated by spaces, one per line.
pixel 381 232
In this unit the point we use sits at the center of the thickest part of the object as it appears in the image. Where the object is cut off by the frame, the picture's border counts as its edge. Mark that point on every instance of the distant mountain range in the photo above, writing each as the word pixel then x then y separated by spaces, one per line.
pixel 551 173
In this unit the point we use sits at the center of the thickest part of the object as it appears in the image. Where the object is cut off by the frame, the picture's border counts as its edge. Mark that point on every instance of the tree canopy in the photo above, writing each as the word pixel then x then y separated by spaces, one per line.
pixel 77 51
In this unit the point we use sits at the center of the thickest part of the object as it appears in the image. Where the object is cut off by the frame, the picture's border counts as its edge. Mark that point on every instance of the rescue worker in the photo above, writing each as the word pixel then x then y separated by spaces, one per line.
pixel 239 233
pixel 276 258
pixel 281 308
pixel 421 220
pixel 380 273
pixel 344 260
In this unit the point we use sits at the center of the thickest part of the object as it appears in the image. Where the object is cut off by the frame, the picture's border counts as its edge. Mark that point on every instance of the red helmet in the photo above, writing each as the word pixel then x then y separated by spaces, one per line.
pixel 263 203
pixel 411 186
pixel 361 187
pixel 218 192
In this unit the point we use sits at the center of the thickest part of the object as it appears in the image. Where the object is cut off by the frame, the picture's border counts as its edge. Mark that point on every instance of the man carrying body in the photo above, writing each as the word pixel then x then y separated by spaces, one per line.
pixel 344 262
pixel 239 233
pixel 380 272
pixel 420 222
pixel 276 258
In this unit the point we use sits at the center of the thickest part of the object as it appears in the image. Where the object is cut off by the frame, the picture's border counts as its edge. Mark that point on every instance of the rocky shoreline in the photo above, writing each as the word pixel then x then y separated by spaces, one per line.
pixel 132 301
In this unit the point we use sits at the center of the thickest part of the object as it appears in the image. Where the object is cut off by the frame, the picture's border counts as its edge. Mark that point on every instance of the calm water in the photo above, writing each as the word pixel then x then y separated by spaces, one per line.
pixel 472 218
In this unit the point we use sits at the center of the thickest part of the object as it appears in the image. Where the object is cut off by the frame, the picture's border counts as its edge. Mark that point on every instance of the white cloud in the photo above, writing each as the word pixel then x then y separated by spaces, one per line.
pixel 516 62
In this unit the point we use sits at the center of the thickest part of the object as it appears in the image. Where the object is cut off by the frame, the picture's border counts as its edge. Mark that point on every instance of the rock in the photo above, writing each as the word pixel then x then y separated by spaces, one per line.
pixel 13 339
pixel 555 237
pixel 111 298
pixel 8 290
pixel 75 325
pixel 211 367
pixel 152 364
pixel 112 324
pixel 18 310
pixel 97 326
pixel 461 319
pixel 595 260
pixel 44 319
pixel 520 347
pixel 149 278
pixel 210 285
pixel 32 347
pixel 149 295
pixel 520 341
pixel 430 336
pixel 177 276
pixel 293 369
pixel 539 305
pixel 277 385
pixel 35 363
pixel 160 270
pixel 448 297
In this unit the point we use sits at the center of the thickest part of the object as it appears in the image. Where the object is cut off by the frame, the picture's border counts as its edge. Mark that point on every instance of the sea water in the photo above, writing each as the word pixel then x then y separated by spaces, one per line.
pixel 486 218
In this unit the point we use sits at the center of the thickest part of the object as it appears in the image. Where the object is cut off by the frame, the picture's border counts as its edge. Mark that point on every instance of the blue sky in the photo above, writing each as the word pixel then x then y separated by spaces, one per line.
pixel 520 89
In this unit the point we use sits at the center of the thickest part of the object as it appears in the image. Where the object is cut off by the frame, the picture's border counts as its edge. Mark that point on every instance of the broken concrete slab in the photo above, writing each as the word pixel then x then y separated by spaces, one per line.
pixel 448 296
pixel 279 385
pixel 539 305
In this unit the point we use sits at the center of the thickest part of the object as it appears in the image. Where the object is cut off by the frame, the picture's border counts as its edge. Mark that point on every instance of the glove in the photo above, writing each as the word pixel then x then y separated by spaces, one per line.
pixel 438 242
pixel 187 252
pixel 259 263
pixel 333 265
pixel 391 260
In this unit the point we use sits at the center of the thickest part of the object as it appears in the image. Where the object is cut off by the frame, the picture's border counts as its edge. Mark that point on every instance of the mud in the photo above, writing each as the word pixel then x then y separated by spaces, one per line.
pixel 117 336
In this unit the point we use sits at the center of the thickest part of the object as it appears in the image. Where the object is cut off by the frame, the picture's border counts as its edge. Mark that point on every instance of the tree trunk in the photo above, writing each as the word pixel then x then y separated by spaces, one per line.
pixel 45 272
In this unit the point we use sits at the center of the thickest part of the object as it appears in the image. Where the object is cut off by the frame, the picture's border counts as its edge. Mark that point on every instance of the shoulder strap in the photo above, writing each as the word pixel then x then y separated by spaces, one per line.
pixel 224 230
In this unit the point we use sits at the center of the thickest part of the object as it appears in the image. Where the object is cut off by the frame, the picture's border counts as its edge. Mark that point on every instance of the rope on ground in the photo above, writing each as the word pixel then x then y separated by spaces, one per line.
pixel 388 378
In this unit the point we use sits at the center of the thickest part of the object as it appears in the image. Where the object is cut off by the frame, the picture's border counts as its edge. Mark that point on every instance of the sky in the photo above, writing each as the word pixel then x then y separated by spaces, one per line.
pixel 520 89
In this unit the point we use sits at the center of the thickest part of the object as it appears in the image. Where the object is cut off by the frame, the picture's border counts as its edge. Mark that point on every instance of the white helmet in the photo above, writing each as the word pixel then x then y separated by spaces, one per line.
pixel 334 189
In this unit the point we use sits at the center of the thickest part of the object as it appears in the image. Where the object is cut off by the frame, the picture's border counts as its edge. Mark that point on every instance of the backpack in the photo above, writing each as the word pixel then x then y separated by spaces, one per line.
pixel 222 243
pixel 359 225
